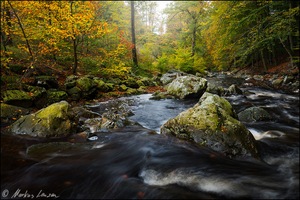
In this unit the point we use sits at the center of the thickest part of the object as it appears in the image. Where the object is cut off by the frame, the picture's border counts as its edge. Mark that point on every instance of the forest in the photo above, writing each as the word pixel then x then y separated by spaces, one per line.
pixel 95 37
pixel 126 100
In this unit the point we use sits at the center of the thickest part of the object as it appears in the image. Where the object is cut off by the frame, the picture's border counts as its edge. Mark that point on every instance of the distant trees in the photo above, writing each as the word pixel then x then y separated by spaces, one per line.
pixel 107 38
pixel 229 34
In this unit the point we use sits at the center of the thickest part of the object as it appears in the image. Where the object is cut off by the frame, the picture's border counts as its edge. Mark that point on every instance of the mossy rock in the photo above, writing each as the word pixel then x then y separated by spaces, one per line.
pixel 54 96
pixel 55 120
pixel 131 82
pixel 70 81
pixel 74 93
pixel 123 88
pixel 254 114
pixel 145 81
pixel 88 86
pixel 9 113
pixel 189 86
pixel 17 98
pixel 213 123
pixel 214 89
pixel 102 86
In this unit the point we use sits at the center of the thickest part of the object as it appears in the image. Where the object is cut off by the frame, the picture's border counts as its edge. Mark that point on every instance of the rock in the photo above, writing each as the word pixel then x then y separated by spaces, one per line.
pixel 70 81
pixel 74 93
pixel 123 88
pixel 82 112
pixel 233 90
pixel 258 77
pixel 131 82
pixel 277 82
pixel 46 82
pixel 54 96
pixel 187 86
pixel 39 95
pixel 17 98
pixel 254 114
pixel 288 79
pixel 146 82
pixel 55 120
pixel 170 76
pixel 214 89
pixel 102 86
pixel 160 95
pixel 213 123
pixel 9 113
pixel 105 123
pixel 88 87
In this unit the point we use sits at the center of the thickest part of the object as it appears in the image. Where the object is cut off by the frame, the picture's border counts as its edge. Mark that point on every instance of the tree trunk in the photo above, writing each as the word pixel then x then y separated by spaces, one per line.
pixel 23 31
pixel 287 50
pixel 75 56
pixel 194 39
pixel 263 60
pixel 134 56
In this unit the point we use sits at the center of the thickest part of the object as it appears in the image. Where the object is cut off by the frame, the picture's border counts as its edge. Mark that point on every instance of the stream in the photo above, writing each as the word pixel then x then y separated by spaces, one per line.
pixel 136 163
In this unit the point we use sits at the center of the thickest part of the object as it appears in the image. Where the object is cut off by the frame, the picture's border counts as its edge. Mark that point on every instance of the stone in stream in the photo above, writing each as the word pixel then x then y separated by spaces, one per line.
pixel 253 114
pixel 170 76
pixel 187 86
pixel 55 120
pixel 213 123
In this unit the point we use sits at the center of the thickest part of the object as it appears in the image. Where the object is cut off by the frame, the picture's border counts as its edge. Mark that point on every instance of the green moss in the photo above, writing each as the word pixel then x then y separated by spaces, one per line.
pixel 15 95
pixel 55 110
pixel 86 84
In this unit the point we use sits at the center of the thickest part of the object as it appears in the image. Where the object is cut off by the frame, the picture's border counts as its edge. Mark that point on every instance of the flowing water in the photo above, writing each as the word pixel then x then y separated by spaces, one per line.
pixel 134 163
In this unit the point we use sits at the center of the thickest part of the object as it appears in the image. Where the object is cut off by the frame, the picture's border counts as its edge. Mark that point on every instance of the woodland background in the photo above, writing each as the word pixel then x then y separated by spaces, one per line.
pixel 95 37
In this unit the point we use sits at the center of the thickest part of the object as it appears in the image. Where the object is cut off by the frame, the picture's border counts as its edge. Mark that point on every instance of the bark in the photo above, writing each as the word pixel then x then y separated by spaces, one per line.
pixel 134 56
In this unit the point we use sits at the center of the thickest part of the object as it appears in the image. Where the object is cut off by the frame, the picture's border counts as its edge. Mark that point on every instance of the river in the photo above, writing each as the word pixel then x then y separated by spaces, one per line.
pixel 135 163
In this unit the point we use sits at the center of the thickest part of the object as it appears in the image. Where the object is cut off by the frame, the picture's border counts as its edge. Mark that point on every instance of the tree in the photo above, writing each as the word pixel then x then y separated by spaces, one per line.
pixel 134 55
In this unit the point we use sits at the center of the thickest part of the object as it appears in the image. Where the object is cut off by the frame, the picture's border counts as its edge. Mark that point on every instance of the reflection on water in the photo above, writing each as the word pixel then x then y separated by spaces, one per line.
pixel 133 163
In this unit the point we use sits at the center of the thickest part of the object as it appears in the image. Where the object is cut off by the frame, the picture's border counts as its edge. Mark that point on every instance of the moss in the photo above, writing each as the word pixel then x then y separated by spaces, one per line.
pixel 56 96
pixel 15 95
pixel 9 111
pixel 55 110
pixel 86 84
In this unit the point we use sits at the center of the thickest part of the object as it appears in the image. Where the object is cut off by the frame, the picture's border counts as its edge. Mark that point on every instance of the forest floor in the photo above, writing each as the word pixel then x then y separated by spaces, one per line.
pixel 284 68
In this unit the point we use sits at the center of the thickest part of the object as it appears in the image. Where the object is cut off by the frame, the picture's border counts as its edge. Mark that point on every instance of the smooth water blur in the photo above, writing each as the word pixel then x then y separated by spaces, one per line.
pixel 153 114
pixel 134 163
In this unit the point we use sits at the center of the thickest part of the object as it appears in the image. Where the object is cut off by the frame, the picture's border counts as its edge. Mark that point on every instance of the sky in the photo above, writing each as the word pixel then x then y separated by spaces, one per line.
pixel 162 5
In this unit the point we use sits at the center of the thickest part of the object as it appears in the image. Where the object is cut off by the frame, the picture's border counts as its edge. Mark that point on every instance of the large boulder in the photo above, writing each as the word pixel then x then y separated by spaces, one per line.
pixel 187 86
pixel 213 123
pixel 254 114
pixel 53 121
